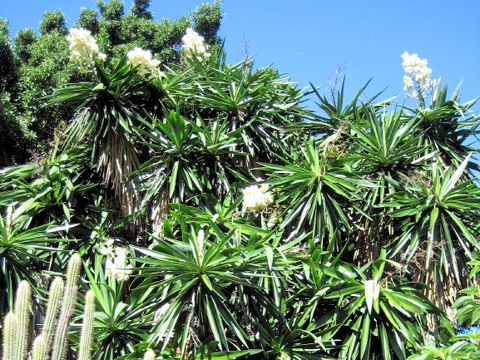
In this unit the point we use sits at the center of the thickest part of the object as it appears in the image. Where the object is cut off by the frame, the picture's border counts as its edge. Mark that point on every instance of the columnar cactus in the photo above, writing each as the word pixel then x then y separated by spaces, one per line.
pixel 40 348
pixel 23 303
pixel 69 300
pixel 9 327
pixel 87 328
pixel 53 308
pixel 16 323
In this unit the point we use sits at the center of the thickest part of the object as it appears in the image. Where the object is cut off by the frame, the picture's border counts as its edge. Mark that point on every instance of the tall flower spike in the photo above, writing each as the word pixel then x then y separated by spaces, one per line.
pixel 84 49
pixel 8 220
pixel 201 243
pixel 193 45
pixel 117 265
pixel 417 80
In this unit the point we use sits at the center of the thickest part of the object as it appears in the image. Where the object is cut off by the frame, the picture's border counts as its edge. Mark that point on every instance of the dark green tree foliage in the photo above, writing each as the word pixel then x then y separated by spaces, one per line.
pixel 52 21
pixel 23 42
pixel 13 131
pixel 111 14
pixel 207 18
pixel 13 127
pixel 3 27
pixel 89 20
pixel 8 66
pixel 35 65
pixel 139 9
pixel 113 10
pixel 38 76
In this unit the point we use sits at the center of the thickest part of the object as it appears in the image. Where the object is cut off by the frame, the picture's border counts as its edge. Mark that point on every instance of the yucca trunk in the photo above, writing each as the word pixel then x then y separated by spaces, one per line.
pixel 117 160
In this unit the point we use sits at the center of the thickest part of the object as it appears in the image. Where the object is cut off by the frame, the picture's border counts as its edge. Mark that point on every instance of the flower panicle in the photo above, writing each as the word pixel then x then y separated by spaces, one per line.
pixel 117 266
pixel 256 197
pixel 417 81
pixel 84 49
pixel 194 45
pixel 143 59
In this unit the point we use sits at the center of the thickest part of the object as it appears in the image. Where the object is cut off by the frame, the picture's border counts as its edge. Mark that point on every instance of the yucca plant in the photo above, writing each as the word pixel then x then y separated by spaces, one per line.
pixel 336 114
pixel 204 279
pixel 190 157
pixel 54 186
pixel 263 100
pixel 304 275
pixel 448 127
pixel 437 213
pixel 301 333
pixel 107 109
pixel 24 250
pixel 378 315
pixel 387 145
pixel 317 186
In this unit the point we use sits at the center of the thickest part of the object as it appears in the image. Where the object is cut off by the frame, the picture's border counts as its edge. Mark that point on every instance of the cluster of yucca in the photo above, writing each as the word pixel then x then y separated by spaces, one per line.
pixel 325 257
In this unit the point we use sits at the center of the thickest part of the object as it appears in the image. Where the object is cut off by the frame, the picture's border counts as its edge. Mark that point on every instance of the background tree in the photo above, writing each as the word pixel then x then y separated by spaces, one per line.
pixel 36 65
pixel 53 21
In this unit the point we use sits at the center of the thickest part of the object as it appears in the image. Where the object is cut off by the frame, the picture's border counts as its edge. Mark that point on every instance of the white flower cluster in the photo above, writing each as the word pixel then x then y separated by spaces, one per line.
pixel 256 197
pixel 84 48
pixel 106 248
pixel 117 265
pixel 193 45
pixel 416 72
pixel 143 59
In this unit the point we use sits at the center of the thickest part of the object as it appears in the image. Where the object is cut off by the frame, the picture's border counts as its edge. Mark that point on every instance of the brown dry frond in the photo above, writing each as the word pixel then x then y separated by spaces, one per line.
pixel 117 160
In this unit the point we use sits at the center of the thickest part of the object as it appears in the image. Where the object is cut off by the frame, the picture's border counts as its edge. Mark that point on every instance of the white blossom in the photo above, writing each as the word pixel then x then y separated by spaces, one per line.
pixel 83 48
pixel 107 249
pixel 201 242
pixel 8 218
pixel 256 197
pixel 143 59
pixel 408 82
pixel 117 265
pixel 193 45
pixel 201 238
pixel 418 73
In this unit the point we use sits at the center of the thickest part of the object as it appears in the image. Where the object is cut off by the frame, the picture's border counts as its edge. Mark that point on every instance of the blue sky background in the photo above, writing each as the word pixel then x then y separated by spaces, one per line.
pixel 312 39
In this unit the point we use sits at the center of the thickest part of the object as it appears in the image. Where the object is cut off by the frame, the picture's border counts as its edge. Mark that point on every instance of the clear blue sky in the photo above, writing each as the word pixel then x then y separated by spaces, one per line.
pixel 311 39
